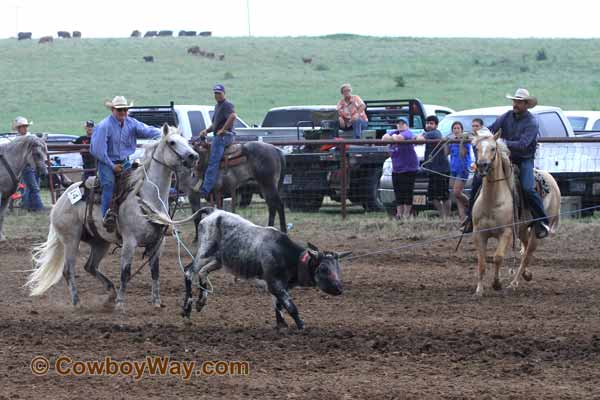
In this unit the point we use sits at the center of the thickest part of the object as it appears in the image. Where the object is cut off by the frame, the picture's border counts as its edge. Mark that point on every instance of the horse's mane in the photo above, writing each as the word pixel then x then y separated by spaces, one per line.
pixel 149 150
pixel 27 140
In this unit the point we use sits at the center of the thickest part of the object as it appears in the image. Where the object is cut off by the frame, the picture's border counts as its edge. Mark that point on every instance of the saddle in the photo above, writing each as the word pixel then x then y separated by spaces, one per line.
pixel 92 195
pixel 232 157
pixel 541 186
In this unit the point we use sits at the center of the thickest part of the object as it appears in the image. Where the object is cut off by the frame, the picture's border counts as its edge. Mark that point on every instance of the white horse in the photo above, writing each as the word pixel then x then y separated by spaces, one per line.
pixel 14 156
pixel 494 214
pixel 57 256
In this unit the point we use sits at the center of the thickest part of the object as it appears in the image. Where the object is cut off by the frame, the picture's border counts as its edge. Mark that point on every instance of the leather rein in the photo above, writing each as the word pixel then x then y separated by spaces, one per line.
pixel 11 173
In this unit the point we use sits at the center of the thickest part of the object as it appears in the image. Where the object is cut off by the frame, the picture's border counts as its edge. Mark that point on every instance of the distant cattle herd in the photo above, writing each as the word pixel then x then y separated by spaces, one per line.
pixel 134 34
pixel 197 51
pixel 194 50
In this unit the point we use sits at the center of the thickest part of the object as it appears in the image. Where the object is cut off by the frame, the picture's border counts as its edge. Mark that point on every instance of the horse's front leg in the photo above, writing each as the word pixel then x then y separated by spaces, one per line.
pixel 3 206
pixel 481 245
pixel 155 273
pixel 530 246
pixel 127 252
pixel 504 243
pixel 233 200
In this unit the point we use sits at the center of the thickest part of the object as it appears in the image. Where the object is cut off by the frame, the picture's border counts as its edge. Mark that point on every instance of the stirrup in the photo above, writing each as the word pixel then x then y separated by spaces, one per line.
pixel 542 230
pixel 110 221
pixel 467 225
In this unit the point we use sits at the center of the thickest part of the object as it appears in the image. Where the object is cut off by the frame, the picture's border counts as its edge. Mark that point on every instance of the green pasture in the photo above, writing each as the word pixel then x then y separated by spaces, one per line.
pixel 62 84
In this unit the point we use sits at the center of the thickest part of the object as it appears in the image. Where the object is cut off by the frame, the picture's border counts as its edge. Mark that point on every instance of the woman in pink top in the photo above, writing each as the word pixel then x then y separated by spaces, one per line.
pixel 351 112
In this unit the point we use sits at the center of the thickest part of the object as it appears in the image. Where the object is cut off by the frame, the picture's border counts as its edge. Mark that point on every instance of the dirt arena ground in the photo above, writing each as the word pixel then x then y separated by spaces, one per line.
pixel 407 325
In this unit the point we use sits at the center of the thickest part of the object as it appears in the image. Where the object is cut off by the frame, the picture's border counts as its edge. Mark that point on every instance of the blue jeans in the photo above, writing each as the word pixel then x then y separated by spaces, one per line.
pixel 31 196
pixel 107 182
pixel 358 127
pixel 532 198
pixel 217 148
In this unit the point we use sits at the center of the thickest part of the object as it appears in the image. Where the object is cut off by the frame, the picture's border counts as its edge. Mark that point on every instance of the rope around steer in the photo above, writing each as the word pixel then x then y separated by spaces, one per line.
pixel 454 235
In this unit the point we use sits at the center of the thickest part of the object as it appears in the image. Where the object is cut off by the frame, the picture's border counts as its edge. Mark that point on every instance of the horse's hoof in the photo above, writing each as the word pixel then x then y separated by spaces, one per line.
pixel 478 291
pixel 156 303
pixel 527 275
pixel 511 288
pixel 496 285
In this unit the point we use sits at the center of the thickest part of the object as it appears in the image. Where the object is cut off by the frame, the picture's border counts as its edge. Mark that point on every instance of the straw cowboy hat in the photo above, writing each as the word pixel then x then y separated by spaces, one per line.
pixel 21 121
pixel 484 132
pixel 118 102
pixel 523 94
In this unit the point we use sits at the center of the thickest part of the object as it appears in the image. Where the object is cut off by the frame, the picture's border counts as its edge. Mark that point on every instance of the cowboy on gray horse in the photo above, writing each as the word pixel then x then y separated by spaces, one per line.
pixel 113 141
pixel 222 125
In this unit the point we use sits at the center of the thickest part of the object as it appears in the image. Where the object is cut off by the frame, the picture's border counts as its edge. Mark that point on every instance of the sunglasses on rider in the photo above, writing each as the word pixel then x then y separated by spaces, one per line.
pixel 121 109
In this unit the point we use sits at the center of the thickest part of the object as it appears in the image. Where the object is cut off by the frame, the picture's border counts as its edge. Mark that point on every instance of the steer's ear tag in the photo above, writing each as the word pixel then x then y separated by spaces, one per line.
pixel 304 258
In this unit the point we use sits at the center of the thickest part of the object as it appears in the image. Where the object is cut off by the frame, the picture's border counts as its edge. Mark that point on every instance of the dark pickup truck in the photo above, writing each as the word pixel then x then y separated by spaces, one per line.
pixel 314 171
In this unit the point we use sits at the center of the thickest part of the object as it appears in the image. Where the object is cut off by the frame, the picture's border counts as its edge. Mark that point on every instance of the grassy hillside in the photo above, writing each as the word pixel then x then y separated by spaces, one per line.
pixel 62 84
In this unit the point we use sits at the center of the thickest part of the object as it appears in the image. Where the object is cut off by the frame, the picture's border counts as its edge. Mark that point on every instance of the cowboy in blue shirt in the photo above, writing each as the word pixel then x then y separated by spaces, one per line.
pixel 222 125
pixel 113 141
pixel 520 130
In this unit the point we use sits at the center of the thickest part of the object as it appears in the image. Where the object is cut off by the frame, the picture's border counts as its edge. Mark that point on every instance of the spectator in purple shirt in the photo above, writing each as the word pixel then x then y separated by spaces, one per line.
pixel 405 165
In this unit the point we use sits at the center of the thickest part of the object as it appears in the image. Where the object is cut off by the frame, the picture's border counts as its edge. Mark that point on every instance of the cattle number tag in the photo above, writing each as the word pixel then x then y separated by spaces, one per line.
pixel 74 195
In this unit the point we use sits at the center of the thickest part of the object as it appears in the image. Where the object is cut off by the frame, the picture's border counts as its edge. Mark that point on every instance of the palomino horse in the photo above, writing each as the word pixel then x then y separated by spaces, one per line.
pixel 57 256
pixel 264 166
pixel 14 156
pixel 494 214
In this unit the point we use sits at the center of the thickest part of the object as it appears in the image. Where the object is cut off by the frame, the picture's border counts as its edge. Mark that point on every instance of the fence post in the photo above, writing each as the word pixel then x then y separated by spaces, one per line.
pixel 344 179
pixel 50 180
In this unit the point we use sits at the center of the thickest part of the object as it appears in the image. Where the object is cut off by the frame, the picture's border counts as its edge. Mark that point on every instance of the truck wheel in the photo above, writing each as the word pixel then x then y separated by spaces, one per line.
pixel 304 201
pixel 366 190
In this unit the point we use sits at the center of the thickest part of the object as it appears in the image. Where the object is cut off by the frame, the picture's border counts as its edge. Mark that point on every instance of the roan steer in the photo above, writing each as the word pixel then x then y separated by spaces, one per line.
pixel 249 251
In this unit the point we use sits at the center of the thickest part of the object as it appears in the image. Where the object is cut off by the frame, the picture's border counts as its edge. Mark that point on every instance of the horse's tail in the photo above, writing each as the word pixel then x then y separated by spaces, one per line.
pixel 49 260
pixel 205 211
pixel 283 164
pixel 161 218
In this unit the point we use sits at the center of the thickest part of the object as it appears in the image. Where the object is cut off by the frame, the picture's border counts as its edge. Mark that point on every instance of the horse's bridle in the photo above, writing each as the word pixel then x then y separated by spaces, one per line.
pixel 491 168
pixel 165 165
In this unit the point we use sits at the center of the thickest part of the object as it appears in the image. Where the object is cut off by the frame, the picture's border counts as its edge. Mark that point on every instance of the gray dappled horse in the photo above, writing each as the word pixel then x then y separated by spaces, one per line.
pixel 494 213
pixel 57 256
pixel 14 156
pixel 264 165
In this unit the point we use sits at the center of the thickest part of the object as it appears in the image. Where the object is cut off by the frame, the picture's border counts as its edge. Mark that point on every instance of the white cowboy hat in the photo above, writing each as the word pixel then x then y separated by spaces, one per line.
pixel 21 121
pixel 118 102
pixel 523 94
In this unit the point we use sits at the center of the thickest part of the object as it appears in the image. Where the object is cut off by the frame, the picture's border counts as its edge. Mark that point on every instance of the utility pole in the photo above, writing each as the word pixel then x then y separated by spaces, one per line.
pixel 17 19
pixel 248 13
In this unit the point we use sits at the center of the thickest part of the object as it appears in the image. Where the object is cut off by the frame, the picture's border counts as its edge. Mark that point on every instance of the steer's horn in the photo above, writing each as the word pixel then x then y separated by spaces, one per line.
pixel 312 246
pixel 344 254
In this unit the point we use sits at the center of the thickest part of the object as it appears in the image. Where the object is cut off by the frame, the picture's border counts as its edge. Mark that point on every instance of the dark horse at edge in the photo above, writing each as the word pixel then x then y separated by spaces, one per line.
pixel 263 164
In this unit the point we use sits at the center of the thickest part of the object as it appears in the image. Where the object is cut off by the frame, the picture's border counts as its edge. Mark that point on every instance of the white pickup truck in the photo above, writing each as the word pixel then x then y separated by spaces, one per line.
pixel 190 119
pixel 575 166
